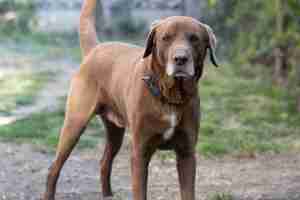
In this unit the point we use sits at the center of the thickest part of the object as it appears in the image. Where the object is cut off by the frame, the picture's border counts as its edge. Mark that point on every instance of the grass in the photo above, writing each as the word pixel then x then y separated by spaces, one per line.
pixel 220 196
pixel 43 129
pixel 242 113
pixel 20 88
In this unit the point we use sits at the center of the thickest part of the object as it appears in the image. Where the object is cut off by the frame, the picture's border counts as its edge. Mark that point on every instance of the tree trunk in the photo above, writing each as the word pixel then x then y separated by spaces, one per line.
pixel 297 65
pixel 280 74
pixel 298 104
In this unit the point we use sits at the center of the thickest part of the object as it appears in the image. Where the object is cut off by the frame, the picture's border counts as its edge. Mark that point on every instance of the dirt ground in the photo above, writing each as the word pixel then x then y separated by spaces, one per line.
pixel 269 177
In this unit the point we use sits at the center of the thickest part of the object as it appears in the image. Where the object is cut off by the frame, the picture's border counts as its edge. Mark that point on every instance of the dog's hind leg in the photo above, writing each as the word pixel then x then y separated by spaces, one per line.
pixel 80 108
pixel 114 138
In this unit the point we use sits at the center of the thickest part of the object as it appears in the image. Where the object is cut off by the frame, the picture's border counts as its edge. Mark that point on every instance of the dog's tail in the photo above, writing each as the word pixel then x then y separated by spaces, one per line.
pixel 87 29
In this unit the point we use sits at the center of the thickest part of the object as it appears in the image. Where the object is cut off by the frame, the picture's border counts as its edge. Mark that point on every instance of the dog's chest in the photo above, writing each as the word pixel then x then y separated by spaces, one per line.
pixel 172 121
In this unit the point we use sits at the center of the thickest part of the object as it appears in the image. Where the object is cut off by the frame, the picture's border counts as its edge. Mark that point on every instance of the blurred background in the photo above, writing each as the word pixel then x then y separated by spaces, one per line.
pixel 250 104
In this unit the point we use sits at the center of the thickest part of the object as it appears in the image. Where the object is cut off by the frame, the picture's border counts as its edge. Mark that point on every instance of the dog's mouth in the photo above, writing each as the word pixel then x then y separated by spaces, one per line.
pixel 182 75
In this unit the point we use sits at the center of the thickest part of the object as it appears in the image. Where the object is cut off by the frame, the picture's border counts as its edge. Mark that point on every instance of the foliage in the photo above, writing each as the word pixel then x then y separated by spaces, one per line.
pixel 21 15
pixel 250 26
pixel 264 36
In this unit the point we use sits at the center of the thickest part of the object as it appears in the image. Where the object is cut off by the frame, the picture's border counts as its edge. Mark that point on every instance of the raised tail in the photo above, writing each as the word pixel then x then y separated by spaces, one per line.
pixel 87 28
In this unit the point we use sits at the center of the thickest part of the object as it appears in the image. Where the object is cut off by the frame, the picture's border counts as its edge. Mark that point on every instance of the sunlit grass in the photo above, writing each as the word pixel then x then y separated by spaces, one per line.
pixel 20 88
pixel 43 128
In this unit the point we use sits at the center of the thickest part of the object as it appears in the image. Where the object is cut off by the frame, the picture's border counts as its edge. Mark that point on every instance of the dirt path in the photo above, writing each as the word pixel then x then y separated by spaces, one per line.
pixel 24 168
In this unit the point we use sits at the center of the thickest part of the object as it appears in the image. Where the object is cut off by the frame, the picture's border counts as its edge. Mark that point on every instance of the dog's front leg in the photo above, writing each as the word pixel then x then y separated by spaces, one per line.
pixel 139 173
pixel 186 167
pixel 140 159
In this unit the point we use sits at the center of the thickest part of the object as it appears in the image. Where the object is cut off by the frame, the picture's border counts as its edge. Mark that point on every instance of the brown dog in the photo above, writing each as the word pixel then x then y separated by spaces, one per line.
pixel 152 92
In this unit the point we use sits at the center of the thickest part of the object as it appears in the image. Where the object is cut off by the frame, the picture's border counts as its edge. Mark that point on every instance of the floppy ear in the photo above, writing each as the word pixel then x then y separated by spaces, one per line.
pixel 150 39
pixel 149 43
pixel 212 44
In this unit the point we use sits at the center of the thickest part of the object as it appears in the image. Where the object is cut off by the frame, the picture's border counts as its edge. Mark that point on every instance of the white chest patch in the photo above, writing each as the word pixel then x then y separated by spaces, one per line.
pixel 173 122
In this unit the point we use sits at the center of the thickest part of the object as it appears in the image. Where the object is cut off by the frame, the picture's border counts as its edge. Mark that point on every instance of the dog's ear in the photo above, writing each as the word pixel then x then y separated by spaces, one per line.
pixel 149 43
pixel 150 39
pixel 212 44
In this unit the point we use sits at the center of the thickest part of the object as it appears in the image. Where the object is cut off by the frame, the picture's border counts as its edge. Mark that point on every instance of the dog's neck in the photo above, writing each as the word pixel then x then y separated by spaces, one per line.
pixel 168 89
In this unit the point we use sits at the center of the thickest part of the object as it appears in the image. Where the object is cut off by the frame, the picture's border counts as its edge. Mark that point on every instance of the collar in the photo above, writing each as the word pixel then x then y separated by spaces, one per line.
pixel 152 85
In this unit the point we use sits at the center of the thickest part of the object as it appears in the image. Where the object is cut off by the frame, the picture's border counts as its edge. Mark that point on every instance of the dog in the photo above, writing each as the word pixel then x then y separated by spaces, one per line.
pixel 150 91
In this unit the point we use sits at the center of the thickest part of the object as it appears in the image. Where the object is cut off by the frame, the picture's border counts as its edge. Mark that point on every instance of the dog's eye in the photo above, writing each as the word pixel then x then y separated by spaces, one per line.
pixel 166 37
pixel 193 38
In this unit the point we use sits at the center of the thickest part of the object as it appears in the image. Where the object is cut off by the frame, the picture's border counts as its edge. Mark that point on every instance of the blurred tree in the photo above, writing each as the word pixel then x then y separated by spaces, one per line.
pixel 261 32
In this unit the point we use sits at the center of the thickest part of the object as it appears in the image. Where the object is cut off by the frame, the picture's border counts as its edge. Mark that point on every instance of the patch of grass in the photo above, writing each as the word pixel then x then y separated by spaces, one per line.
pixel 245 114
pixel 20 88
pixel 43 129
pixel 220 196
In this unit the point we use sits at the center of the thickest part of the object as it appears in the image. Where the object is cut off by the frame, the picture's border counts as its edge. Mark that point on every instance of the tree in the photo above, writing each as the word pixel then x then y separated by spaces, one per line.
pixel 263 32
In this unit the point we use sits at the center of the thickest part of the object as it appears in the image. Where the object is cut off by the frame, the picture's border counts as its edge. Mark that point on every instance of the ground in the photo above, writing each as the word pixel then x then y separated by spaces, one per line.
pixel 268 177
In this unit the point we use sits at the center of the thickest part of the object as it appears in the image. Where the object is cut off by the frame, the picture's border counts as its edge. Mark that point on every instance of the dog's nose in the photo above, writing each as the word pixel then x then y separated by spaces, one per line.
pixel 180 59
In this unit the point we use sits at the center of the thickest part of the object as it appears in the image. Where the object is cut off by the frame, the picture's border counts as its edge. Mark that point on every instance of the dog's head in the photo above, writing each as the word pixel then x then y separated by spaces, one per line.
pixel 179 45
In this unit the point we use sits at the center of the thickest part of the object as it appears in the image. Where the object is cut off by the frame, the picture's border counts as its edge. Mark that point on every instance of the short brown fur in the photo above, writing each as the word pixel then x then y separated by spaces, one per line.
pixel 109 84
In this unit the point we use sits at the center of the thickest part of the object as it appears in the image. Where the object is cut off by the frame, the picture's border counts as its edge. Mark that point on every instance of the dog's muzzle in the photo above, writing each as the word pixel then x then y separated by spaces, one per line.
pixel 181 64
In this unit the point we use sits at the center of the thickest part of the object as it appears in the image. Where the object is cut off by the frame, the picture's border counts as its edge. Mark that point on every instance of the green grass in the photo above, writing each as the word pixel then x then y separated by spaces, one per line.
pixel 220 196
pixel 242 113
pixel 20 88
pixel 43 129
